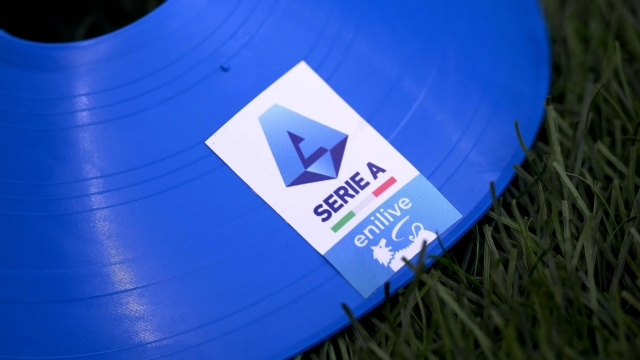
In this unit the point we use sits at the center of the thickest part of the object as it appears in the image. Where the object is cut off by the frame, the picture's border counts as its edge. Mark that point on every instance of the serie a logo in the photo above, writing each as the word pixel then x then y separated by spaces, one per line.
pixel 304 150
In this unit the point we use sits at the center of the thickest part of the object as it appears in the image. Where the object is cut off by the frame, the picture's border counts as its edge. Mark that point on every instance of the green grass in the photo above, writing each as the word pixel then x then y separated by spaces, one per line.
pixel 552 271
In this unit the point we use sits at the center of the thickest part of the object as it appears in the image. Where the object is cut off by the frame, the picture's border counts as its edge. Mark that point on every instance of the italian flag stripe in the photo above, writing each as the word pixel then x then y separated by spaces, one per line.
pixel 366 201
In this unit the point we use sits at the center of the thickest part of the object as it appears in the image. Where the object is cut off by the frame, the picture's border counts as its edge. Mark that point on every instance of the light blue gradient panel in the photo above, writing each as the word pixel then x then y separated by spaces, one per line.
pixel 427 207
pixel 322 146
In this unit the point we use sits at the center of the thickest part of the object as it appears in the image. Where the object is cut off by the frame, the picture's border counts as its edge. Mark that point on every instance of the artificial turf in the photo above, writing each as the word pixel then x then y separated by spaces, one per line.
pixel 552 271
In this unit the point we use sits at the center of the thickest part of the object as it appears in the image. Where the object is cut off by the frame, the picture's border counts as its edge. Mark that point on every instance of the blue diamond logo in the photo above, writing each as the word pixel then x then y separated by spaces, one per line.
pixel 305 150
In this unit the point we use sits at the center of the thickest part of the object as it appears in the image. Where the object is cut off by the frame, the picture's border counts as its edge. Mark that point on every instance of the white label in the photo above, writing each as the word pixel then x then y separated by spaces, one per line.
pixel 330 175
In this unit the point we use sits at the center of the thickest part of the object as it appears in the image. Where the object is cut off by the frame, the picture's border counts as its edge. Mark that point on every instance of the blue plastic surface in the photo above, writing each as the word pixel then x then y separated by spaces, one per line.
pixel 123 236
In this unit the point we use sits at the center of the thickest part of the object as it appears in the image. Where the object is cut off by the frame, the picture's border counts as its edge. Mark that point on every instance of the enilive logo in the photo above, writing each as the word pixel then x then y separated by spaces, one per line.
pixel 305 150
